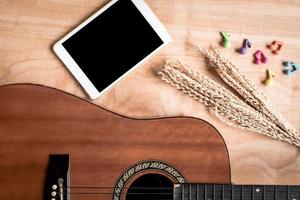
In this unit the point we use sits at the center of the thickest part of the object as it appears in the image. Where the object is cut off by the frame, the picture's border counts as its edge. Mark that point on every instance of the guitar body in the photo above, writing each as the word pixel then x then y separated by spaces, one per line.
pixel 104 147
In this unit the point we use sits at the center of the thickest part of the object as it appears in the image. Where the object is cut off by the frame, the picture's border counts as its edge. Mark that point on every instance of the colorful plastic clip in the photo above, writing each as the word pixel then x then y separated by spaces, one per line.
pixel 290 67
pixel 270 78
pixel 275 47
pixel 226 39
pixel 260 57
pixel 246 45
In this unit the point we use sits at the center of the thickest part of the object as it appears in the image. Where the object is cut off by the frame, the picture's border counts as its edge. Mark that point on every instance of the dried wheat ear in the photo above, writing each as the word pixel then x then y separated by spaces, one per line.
pixel 250 111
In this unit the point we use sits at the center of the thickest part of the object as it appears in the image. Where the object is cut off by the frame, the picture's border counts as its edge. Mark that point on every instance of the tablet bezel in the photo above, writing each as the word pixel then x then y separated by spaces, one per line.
pixel 76 71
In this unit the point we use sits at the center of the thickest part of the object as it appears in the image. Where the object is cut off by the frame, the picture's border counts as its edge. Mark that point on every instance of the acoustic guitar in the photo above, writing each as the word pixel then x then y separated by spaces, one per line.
pixel 55 146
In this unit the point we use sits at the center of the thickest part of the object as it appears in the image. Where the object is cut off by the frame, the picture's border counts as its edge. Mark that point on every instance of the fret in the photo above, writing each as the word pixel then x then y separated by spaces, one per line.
pixel 193 192
pixel 236 192
pixel 209 192
pixel 218 192
pixel 185 192
pixel 227 189
pixel 280 192
pixel 247 192
pixel 293 192
pixel 177 192
pixel 258 192
pixel 269 192
pixel 200 192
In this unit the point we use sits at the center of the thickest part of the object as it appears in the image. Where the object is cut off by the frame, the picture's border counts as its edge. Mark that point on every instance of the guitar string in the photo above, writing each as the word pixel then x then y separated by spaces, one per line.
pixel 135 188
pixel 151 193
pixel 148 193
pixel 141 193
pixel 170 188
pixel 110 193
pixel 147 188
pixel 138 193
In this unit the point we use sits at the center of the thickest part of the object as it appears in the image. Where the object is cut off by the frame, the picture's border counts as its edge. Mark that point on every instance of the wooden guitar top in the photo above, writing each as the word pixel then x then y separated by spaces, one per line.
pixel 36 121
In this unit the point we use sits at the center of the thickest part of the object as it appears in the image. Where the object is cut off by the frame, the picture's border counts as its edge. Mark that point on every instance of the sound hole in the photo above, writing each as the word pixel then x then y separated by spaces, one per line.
pixel 150 187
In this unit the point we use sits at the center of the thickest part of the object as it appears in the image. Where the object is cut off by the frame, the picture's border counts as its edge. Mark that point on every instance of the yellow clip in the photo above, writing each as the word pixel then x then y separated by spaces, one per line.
pixel 270 78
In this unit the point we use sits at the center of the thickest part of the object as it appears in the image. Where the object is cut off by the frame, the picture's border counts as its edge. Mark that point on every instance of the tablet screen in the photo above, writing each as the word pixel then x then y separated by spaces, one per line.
pixel 112 43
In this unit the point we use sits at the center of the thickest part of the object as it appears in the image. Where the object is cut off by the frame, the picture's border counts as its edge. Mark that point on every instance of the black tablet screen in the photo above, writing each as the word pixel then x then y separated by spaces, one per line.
pixel 112 43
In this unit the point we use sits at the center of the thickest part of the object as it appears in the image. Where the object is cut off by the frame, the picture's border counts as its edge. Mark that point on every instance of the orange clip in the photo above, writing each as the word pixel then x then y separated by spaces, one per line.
pixel 275 47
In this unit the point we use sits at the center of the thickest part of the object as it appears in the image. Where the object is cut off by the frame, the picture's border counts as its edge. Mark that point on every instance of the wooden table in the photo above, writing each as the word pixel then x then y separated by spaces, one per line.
pixel 29 28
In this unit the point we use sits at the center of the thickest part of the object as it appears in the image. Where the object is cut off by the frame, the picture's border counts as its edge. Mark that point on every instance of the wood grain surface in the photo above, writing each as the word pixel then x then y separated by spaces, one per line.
pixel 28 29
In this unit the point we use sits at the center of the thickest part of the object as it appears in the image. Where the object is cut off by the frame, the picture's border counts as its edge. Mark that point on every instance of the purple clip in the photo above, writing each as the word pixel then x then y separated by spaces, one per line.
pixel 246 45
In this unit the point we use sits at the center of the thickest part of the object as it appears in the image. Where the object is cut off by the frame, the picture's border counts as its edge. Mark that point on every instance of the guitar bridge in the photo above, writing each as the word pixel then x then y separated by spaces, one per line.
pixel 57 178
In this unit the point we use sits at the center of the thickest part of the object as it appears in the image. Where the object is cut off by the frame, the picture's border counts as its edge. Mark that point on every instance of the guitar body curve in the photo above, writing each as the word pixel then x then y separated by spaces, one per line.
pixel 37 121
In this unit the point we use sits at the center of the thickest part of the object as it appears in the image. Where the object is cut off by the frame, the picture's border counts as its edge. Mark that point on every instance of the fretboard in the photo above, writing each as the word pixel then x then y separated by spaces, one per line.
pixel 235 192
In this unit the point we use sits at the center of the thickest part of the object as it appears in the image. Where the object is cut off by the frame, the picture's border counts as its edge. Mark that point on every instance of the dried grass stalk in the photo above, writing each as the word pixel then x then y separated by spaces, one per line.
pixel 248 91
pixel 224 104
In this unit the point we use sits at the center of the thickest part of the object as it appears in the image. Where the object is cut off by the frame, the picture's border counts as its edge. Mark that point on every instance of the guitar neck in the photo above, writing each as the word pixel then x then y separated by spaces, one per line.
pixel 235 192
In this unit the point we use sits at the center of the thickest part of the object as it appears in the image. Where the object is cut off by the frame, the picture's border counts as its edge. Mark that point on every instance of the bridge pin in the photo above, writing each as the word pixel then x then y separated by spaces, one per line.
pixel 53 194
pixel 54 187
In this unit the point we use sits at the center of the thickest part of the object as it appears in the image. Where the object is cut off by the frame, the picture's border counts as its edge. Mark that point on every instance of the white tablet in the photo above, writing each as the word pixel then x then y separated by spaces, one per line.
pixel 110 44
